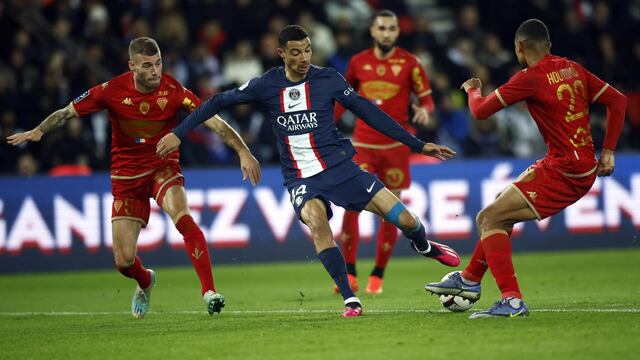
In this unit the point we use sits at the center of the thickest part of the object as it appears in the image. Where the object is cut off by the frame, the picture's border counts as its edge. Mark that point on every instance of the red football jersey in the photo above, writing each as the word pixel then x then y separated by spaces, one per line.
pixel 389 84
pixel 138 120
pixel 557 92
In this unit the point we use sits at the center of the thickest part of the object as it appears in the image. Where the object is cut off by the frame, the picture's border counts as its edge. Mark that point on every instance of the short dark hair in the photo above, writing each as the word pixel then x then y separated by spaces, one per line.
pixel 144 46
pixel 291 33
pixel 382 13
pixel 533 30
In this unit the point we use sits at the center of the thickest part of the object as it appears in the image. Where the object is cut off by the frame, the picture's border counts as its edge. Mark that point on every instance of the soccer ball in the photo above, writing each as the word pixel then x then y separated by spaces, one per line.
pixel 456 303
pixel 453 302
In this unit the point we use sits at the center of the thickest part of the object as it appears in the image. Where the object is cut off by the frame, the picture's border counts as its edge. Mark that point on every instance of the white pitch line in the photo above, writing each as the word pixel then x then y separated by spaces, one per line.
pixel 302 311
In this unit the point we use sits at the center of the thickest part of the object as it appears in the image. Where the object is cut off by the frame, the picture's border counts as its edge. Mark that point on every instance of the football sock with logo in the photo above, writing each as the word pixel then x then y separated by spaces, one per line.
pixel 333 262
pixel 350 239
pixel 387 237
pixel 417 235
pixel 137 272
pixel 197 250
pixel 498 251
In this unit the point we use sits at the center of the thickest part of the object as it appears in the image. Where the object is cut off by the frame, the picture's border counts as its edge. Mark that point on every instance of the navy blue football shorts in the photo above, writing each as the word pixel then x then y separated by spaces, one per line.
pixel 345 185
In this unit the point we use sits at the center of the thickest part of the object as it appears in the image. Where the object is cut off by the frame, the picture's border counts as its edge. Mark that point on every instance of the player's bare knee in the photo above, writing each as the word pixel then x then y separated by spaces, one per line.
pixel 484 220
pixel 480 218
pixel 490 219
pixel 316 224
pixel 176 216
pixel 124 260
pixel 505 224
pixel 314 215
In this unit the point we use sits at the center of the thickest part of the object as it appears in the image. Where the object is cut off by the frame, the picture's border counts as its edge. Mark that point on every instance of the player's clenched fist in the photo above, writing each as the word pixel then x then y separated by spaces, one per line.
pixel 606 163
pixel 167 144
pixel 438 151
pixel 471 83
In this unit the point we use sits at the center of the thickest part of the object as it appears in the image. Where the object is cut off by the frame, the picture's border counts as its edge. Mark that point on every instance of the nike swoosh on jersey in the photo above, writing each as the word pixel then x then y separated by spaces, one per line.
pixel 291 106
pixel 371 187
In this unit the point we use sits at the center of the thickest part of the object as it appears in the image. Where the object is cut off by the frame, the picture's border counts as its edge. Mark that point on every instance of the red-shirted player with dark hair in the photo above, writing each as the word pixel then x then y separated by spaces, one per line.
pixel 143 105
pixel 387 75
pixel 557 92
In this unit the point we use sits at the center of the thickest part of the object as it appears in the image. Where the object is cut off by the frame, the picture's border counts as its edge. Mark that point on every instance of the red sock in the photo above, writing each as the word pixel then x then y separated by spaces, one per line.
pixel 350 237
pixel 497 249
pixel 387 237
pixel 477 265
pixel 137 272
pixel 198 251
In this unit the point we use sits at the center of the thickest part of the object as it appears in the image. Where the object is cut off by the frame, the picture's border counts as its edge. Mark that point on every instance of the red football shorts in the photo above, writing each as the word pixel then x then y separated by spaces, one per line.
pixel 131 195
pixel 549 191
pixel 390 165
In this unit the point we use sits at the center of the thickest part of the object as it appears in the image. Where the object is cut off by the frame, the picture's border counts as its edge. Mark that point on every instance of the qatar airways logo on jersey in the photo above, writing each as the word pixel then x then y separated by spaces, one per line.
pixel 299 121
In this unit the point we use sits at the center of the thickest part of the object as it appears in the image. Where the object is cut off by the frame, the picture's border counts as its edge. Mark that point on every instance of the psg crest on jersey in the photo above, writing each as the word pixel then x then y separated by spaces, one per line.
pixel 294 94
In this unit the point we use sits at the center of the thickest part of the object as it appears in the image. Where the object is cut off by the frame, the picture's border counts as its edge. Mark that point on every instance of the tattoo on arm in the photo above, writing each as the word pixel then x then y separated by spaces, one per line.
pixel 56 120
pixel 227 134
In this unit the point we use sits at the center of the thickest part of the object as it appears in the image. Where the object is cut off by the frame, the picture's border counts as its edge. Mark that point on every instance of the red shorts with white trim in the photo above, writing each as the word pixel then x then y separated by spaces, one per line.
pixel 131 195
pixel 549 191
pixel 390 165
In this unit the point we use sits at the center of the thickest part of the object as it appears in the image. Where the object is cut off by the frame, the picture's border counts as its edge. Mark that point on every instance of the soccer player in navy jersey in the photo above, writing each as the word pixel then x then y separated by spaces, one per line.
pixel 316 159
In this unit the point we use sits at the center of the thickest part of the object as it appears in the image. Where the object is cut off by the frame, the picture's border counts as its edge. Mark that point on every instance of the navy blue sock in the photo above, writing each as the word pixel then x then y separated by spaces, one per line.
pixel 334 263
pixel 418 236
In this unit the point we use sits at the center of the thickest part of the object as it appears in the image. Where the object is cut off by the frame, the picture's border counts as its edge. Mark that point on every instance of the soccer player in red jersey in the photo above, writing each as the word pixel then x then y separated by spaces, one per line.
pixel 143 105
pixel 387 75
pixel 557 92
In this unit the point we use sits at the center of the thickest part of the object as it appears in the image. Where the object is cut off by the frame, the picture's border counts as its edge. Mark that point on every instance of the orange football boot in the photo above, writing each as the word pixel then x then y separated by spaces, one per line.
pixel 374 286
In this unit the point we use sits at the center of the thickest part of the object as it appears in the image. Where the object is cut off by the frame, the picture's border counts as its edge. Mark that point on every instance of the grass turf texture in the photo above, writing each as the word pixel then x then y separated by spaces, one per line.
pixel 584 305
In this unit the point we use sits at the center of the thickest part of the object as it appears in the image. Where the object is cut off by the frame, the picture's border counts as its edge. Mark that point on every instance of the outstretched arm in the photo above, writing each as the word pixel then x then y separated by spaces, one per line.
pixel 481 107
pixel 57 119
pixel 380 121
pixel 248 164
pixel 616 104
pixel 207 110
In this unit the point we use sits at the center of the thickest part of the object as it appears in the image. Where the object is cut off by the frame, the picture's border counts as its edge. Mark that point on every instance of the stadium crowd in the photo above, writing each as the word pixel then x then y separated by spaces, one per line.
pixel 52 51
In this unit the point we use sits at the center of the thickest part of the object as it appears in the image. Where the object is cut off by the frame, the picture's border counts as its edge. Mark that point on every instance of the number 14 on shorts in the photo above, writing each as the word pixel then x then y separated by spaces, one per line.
pixel 296 194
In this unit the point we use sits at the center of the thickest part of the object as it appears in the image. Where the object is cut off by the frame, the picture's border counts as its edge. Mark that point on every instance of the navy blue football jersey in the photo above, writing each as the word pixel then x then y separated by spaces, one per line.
pixel 301 116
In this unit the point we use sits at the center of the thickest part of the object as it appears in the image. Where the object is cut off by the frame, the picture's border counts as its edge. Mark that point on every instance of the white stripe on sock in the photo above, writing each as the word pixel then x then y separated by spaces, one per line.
pixel 352 300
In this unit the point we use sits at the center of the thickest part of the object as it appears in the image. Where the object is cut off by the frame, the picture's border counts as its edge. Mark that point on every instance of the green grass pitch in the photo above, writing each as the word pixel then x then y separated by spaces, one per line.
pixel 584 305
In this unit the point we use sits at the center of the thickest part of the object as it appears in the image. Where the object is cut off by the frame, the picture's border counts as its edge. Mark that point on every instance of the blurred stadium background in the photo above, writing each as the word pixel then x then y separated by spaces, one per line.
pixel 52 51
